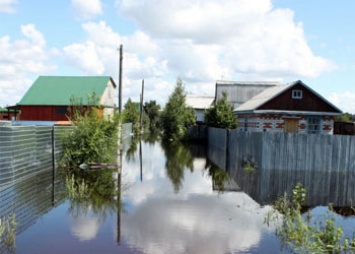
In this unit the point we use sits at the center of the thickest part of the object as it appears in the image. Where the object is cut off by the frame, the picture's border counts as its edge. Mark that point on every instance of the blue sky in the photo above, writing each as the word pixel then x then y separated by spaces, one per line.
pixel 200 41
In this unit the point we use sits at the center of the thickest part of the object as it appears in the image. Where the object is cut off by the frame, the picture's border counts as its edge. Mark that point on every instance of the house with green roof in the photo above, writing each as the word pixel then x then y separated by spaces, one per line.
pixel 49 97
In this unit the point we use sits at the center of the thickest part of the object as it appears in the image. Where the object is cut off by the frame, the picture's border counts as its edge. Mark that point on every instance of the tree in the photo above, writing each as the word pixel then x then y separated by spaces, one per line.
pixel 346 117
pixel 177 116
pixel 152 109
pixel 221 114
pixel 131 114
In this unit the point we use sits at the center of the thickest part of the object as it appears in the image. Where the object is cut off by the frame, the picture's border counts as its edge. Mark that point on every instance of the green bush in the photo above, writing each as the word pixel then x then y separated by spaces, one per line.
pixel 93 139
pixel 305 234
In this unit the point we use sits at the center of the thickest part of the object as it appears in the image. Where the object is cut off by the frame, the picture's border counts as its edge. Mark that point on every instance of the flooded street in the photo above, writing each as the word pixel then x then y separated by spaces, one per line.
pixel 171 201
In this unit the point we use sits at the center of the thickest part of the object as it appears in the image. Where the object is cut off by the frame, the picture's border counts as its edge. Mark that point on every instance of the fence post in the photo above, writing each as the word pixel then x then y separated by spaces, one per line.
pixel 53 167
pixel 227 150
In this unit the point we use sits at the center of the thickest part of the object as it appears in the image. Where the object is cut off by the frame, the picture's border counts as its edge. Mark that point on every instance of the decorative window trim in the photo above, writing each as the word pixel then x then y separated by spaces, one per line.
pixel 314 125
pixel 297 94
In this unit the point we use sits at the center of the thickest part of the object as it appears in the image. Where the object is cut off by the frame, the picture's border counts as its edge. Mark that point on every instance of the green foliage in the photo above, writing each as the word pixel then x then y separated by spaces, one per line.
pixel 219 176
pixel 307 234
pixel 8 227
pixel 178 158
pixel 130 114
pixel 76 188
pixel 92 139
pixel 177 116
pixel 221 114
pixel 347 117
pixel 152 109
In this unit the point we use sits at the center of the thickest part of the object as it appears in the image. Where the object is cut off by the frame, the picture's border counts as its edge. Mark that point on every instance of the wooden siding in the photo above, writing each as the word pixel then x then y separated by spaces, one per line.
pixel 42 113
pixel 309 102
pixel 46 113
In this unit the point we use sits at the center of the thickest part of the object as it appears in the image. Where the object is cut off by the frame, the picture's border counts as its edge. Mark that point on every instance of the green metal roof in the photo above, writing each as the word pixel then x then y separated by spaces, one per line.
pixel 58 90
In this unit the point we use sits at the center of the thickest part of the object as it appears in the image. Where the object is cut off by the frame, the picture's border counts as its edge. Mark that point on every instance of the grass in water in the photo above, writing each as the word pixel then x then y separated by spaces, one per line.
pixel 8 227
pixel 304 233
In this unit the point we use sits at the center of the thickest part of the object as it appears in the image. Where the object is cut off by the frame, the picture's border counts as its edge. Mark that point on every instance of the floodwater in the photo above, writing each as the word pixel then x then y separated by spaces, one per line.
pixel 169 199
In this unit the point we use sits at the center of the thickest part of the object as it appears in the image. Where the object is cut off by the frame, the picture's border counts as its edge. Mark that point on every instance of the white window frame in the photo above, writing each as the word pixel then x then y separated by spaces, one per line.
pixel 314 125
pixel 297 94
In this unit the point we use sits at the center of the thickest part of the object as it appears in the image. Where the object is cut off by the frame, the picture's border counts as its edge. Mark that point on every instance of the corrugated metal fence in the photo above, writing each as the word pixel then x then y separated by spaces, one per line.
pixel 27 150
pixel 24 150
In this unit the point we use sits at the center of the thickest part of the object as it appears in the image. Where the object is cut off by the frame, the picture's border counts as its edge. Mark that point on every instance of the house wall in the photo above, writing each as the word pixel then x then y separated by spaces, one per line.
pixel 275 123
pixel 9 116
pixel 43 113
pixel 308 102
pixel 238 93
pixel 108 99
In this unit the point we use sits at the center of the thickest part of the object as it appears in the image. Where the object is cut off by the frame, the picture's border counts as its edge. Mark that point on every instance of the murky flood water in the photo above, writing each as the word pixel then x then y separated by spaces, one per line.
pixel 170 202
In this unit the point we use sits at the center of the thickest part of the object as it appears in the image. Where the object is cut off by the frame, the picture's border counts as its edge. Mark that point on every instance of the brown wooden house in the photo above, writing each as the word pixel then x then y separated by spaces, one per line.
pixel 50 97
pixel 294 107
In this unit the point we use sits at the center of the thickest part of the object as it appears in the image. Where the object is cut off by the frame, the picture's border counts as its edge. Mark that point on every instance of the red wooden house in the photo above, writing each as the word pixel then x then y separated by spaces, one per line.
pixel 50 97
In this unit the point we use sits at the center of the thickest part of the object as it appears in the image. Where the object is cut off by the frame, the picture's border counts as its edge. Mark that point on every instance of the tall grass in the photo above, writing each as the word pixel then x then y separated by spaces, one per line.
pixel 8 227
pixel 306 233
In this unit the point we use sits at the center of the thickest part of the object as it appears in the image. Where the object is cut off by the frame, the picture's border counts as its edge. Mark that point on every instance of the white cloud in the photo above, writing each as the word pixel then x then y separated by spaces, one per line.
pixel 199 41
pixel 86 9
pixel 35 36
pixel 19 60
pixel 344 101
pixel 86 56
pixel 7 6
pixel 207 39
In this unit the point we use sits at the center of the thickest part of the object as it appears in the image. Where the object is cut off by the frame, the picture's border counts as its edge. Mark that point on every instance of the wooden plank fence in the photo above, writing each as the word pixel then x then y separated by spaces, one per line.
pixel 324 164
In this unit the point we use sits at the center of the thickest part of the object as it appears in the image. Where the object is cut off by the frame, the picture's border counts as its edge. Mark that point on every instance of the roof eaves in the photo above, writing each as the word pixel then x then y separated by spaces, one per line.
pixel 286 112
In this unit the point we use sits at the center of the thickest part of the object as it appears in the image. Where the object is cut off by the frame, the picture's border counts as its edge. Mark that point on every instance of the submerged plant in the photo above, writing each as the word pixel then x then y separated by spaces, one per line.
pixel 76 188
pixel 305 234
pixel 8 227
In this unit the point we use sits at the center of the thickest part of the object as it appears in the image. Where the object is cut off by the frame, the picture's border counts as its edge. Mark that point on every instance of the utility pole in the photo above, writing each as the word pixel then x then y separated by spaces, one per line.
pixel 141 113
pixel 120 81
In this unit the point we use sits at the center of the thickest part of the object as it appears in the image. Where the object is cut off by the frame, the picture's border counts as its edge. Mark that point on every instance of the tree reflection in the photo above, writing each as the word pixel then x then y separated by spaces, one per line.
pixel 219 176
pixel 130 153
pixel 178 157
pixel 100 193
pixel 151 137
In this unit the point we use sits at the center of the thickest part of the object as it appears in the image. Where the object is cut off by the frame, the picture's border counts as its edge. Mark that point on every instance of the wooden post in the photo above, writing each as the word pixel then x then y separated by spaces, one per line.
pixel 53 167
pixel 120 81
pixel 141 113
pixel 141 158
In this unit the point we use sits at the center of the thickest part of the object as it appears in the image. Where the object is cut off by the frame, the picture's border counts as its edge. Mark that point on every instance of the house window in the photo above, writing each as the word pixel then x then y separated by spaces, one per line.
pixel 296 94
pixel 61 111
pixel 313 125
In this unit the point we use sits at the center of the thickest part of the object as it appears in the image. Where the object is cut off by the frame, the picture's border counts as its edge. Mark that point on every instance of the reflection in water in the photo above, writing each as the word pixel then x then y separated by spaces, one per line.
pixel 188 217
pixel 100 202
pixel 178 158
pixel 170 206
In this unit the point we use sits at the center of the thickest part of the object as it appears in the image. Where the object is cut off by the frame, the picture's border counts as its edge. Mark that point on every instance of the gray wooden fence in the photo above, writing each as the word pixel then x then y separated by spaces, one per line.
pixel 324 164
pixel 280 151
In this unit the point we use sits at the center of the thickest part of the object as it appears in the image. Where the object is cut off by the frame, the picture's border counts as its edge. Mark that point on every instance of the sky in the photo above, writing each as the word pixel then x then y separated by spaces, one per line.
pixel 198 41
